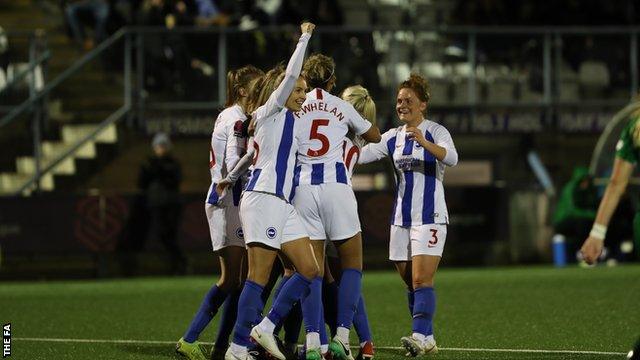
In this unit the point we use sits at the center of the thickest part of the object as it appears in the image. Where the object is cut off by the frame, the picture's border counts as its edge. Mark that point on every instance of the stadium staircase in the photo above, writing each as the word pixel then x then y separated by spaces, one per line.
pixel 76 107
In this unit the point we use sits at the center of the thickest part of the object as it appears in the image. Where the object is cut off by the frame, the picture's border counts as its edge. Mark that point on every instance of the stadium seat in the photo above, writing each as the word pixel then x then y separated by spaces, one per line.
pixel 356 12
pixel 440 90
pixel 424 13
pixel 461 91
pixel 390 76
pixel 462 70
pixel 433 70
pixel 527 94
pixel 501 89
pixel 3 79
pixel 389 15
pixel 594 78
pixel 16 69
pixel 569 91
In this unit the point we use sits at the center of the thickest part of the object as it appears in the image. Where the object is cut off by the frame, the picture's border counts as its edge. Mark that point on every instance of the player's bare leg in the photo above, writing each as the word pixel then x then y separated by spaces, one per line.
pixel 261 260
pixel 231 267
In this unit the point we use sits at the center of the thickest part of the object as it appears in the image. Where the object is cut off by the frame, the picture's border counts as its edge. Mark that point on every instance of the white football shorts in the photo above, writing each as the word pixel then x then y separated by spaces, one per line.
pixel 269 220
pixel 406 242
pixel 224 225
pixel 328 211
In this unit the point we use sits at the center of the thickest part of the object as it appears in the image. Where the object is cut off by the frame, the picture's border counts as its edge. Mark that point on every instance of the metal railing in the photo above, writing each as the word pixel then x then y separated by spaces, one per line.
pixel 35 104
pixel 134 89
pixel 38 56
pixel 551 59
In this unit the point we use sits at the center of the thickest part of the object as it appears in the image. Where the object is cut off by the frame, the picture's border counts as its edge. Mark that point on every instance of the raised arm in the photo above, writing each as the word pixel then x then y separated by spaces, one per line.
pixel 279 97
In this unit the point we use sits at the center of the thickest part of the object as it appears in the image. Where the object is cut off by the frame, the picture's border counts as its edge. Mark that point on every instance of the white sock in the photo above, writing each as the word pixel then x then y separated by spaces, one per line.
pixel 324 348
pixel 362 344
pixel 342 333
pixel 237 349
pixel 313 340
pixel 419 337
pixel 431 339
pixel 267 325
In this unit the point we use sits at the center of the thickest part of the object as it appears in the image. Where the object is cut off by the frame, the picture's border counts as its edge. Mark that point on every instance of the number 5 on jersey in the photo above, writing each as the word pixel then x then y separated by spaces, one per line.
pixel 316 135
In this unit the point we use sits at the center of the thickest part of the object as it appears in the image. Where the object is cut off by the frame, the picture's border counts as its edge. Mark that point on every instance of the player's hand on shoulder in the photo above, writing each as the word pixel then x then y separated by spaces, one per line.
pixel 307 27
pixel 591 249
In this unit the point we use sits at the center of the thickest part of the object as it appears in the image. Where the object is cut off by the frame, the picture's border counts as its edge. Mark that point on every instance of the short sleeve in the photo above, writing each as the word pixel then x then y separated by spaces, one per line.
pixel 359 124
pixel 625 148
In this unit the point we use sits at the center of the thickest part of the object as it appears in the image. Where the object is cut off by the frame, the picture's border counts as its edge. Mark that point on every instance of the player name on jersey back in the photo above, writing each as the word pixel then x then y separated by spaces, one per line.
pixel 320 106
pixel 321 127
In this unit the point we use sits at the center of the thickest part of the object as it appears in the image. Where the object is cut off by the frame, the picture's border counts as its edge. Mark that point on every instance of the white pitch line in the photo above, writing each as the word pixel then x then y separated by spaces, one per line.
pixel 167 342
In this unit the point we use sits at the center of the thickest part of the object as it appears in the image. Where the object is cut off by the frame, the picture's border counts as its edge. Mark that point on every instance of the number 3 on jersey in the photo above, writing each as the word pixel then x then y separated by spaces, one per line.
pixel 315 135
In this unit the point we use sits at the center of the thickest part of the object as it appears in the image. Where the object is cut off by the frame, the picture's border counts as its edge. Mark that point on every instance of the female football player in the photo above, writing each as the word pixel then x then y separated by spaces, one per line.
pixel 226 148
pixel 420 150
pixel 321 179
pixel 269 221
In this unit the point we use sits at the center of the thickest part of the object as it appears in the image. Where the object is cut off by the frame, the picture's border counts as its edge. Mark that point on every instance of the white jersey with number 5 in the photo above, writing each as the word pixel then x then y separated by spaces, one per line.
pixel 322 124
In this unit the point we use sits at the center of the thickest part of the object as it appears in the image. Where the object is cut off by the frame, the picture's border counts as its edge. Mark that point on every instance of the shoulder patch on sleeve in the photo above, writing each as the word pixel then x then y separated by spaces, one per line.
pixel 237 129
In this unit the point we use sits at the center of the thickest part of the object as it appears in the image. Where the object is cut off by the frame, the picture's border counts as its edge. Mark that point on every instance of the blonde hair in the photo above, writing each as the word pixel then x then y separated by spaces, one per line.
pixel 319 71
pixel 262 88
pixel 359 97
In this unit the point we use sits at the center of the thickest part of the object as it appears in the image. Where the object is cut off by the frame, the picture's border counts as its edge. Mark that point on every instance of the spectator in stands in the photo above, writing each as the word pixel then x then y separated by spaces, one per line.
pixel 210 13
pixel 97 10
pixel 159 180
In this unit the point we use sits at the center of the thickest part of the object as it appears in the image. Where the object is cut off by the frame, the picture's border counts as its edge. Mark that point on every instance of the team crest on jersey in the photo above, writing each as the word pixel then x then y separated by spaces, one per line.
pixel 240 233
pixel 272 232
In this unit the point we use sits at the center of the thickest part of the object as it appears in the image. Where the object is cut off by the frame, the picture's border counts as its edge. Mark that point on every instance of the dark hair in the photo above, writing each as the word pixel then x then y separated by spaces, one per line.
pixel 319 70
pixel 237 79
pixel 419 85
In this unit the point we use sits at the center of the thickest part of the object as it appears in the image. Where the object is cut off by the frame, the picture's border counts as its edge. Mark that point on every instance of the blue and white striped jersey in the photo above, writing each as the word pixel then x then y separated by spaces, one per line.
pixel 419 191
pixel 321 126
pixel 226 149
pixel 274 141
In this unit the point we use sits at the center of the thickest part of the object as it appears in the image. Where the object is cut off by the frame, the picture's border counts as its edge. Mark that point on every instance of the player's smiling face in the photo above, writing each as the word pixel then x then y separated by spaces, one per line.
pixel 298 95
pixel 409 107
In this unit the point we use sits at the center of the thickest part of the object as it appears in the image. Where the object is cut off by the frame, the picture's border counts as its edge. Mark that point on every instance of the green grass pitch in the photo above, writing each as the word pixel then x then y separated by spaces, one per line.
pixel 479 310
